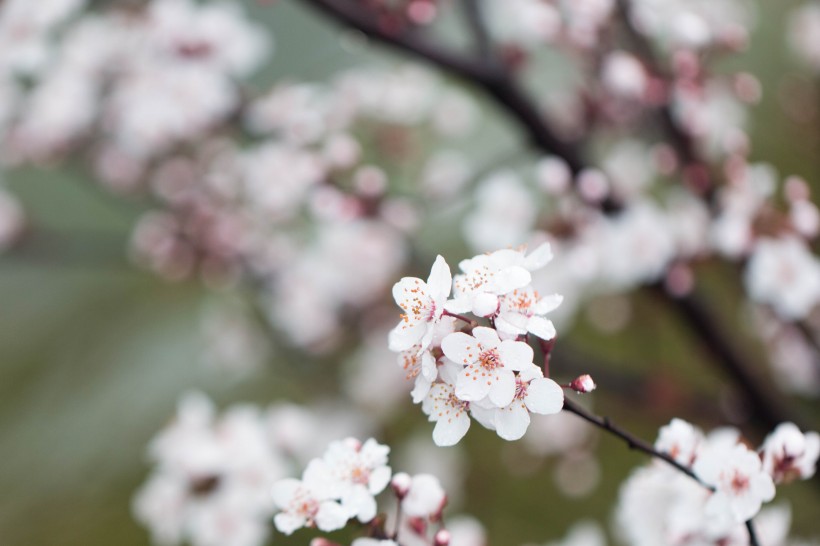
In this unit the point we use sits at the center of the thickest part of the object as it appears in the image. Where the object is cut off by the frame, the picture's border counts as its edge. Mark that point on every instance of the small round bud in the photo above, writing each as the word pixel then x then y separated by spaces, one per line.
pixel 400 484
pixel 583 384
pixel 442 538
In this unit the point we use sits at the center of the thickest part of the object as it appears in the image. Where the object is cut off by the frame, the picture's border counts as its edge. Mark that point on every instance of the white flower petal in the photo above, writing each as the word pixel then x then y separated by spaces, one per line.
pixel 541 327
pixel 544 396
pixel 460 348
pixel 516 355
pixel 287 523
pixel 502 390
pixel 487 337
pixel 450 430
pixel 511 422
pixel 440 281
pixel 472 385
pixel 331 516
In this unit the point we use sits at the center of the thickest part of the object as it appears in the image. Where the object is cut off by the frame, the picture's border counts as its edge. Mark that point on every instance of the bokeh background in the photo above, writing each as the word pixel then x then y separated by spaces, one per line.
pixel 94 352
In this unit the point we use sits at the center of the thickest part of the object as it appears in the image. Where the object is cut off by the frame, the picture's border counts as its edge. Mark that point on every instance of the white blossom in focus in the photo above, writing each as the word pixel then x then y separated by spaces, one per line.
pixel 423 305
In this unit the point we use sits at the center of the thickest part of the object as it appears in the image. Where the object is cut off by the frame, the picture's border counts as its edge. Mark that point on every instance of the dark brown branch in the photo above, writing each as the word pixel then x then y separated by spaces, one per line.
pixel 632 441
pixel 491 78
pixel 752 534
pixel 767 409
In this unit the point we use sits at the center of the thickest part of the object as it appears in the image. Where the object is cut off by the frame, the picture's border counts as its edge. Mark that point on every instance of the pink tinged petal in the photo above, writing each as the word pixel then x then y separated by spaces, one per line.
pixel 451 429
pixel 487 337
pixel 502 391
pixel 511 422
pixel 539 257
pixel 331 516
pixel 284 490
pixel 474 383
pixel 287 523
pixel 541 327
pixel 544 396
pixel 484 416
pixel 511 278
pixel 460 348
pixel 440 281
pixel 512 323
pixel 379 479
pixel 404 336
pixel 408 292
pixel 421 388
pixel 515 355
pixel 548 303
pixel 429 370
pixel 485 304
pixel 359 503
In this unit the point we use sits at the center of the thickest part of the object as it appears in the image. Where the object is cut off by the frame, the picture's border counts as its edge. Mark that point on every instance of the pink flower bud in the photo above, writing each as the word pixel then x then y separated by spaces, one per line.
pixel 442 538
pixel 583 384
pixel 401 484
pixel 320 541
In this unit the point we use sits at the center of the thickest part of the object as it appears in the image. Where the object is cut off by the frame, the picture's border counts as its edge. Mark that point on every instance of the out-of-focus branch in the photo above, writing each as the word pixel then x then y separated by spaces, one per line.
pixel 475 20
pixel 767 408
pixel 492 78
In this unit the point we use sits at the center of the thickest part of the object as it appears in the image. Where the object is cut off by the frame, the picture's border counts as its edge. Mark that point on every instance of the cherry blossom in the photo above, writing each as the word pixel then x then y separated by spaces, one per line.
pixel 788 454
pixel 740 482
pixel 488 363
pixel 425 498
pixel 423 305
pixel 308 502
pixel 533 393
pixel 443 407
pixel 361 471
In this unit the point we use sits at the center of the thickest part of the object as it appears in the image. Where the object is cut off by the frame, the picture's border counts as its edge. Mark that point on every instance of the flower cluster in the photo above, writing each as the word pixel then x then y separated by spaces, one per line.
pixel 659 505
pixel 343 484
pixel 462 369
pixel 213 473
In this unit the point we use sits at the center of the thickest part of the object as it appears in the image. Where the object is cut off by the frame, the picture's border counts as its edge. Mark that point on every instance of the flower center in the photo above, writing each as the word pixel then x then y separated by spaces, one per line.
pixel 739 483
pixel 490 360
pixel 520 388
pixel 360 475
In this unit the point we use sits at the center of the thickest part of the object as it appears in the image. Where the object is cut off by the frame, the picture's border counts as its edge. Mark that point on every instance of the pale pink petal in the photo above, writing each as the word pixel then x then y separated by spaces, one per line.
pixel 472 385
pixel 284 490
pixel 548 303
pixel 539 257
pixel 544 396
pixel 541 327
pixel 516 355
pixel 287 523
pixel 404 336
pixel 440 281
pixel 512 323
pixel 511 422
pixel 450 430
pixel 511 278
pixel 502 390
pixel 331 516
pixel 460 348
pixel 487 337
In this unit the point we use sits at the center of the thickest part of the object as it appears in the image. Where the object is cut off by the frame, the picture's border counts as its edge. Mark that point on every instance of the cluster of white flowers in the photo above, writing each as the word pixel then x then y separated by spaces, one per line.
pixel 659 505
pixel 213 473
pixel 344 483
pixel 462 369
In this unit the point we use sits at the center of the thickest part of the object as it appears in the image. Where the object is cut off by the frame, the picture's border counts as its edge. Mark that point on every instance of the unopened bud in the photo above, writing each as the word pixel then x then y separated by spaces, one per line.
pixel 401 484
pixel 442 538
pixel 583 384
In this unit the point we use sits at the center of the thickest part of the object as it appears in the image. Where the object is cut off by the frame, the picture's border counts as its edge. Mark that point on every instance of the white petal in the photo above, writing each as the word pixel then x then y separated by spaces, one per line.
pixel 408 291
pixel 449 431
pixel 539 257
pixel 331 516
pixel 405 335
pixel 460 348
pixel 472 385
pixel 359 503
pixel 511 422
pixel 484 416
pixel 420 389
pixel 379 479
pixel 487 337
pixel 516 355
pixel 548 303
pixel 511 278
pixel 541 327
pixel 287 523
pixel 502 390
pixel 544 396
pixel 429 370
pixel 440 281
pixel 461 304
pixel 485 304
pixel 512 323
pixel 284 490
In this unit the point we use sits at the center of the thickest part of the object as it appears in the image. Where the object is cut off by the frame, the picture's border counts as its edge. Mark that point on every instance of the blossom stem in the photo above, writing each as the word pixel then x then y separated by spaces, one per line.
pixel 752 534
pixel 631 440
pixel 457 316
